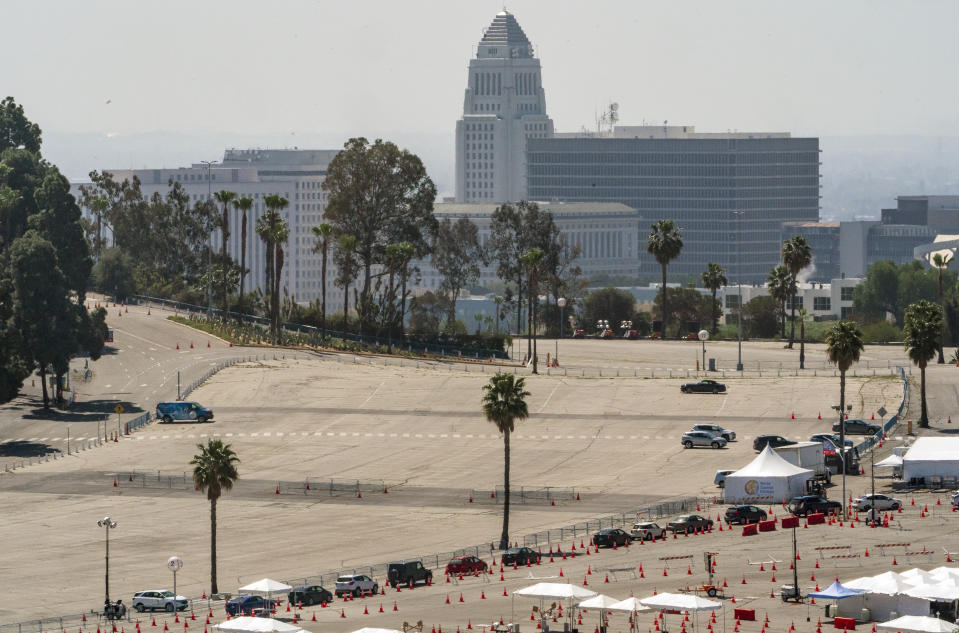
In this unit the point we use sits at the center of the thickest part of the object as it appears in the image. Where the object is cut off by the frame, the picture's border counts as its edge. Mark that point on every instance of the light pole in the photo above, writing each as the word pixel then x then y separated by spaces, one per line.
pixel 175 564
pixel 561 302
pixel 108 525
pixel 739 280
pixel 209 262
pixel 704 336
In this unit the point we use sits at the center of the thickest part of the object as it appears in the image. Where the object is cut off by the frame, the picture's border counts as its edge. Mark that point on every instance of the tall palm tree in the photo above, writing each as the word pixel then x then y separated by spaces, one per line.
pixel 225 198
pixel 920 334
pixel 273 230
pixel 347 247
pixel 664 243
pixel 98 206
pixel 504 402
pixel 244 204
pixel 941 262
pixel 407 251
pixel 797 254
pixel 843 347
pixel 779 284
pixel 214 472
pixel 532 260
pixel 714 278
pixel 323 233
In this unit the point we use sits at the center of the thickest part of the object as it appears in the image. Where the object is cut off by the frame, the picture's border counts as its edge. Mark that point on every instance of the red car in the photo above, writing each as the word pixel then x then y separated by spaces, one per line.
pixel 465 565
pixel 579 334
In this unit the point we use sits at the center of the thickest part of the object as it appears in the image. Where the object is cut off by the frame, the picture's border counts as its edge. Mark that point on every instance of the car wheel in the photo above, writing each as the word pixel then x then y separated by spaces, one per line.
pixel 715 390
pixel 376 589
pixel 711 592
pixel 895 506
pixel 864 509
pixel 688 444
pixel 168 607
pixel 357 592
pixel 167 419
pixel 140 608
pixel 201 419
pixel 715 445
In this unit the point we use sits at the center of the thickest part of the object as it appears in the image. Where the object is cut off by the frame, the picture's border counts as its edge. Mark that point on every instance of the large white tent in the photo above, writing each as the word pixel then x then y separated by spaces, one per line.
pixel 912 593
pixel 917 624
pixel 768 478
pixel 247 624
pixel 931 457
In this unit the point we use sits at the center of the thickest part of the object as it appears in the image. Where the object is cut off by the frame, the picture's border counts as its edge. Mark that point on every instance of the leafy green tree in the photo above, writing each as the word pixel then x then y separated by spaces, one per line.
pixel 714 278
pixel 923 326
pixel 797 255
pixel 759 317
pixel 779 284
pixel 323 234
pixel 426 313
pixel 405 252
pixel 244 204
pixel 504 402
pixel 941 262
pixel 608 304
pixel 665 243
pixel 381 195
pixel 347 269
pixel 97 207
pixel 226 198
pixel 843 347
pixel 689 309
pixel 113 273
pixel 506 246
pixel 532 260
pixel 214 472
pixel 457 256
pixel 16 131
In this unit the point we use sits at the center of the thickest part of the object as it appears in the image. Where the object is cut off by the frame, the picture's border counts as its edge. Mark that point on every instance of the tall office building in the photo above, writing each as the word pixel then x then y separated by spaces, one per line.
pixel 504 105
pixel 729 192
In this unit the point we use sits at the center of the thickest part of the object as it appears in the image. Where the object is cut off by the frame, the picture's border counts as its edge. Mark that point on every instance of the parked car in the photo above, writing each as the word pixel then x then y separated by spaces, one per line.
pixel 158 599
pixel 579 334
pixel 520 556
pixel 692 336
pixel 309 594
pixel 244 605
pixel 631 335
pixel 857 427
pixel 832 437
pixel 355 585
pixel 176 410
pixel 812 504
pixel 689 523
pixel 702 438
pixel 406 572
pixel 655 336
pixel 744 514
pixel 728 434
pixel 879 502
pixel 720 478
pixel 955 499
pixel 703 386
pixel 465 565
pixel 762 441
pixel 647 531
pixel 610 537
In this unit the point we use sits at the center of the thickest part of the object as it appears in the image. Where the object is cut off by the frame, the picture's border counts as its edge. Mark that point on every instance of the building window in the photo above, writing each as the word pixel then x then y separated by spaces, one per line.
pixel 845 293
pixel 732 301
pixel 822 304
pixel 795 300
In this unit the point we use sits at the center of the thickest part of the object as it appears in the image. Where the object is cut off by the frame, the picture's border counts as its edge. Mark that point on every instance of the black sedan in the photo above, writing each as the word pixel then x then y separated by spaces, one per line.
pixel 520 556
pixel 703 386
pixel 857 427
pixel 610 537
pixel 310 594
pixel 744 514
pixel 247 605
pixel 689 523
pixel 762 441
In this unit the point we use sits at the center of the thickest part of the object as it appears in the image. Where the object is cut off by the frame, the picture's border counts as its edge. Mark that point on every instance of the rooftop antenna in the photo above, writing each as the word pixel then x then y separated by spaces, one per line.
pixel 665 129
pixel 607 120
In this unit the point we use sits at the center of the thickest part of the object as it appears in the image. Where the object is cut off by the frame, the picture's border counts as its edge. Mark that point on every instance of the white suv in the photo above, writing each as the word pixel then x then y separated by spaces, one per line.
pixel 877 501
pixel 158 599
pixel 728 434
pixel 357 585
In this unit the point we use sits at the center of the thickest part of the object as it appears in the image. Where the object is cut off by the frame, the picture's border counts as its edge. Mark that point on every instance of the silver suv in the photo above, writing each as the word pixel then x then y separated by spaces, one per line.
pixel 355 585
pixel 702 438
pixel 715 429
pixel 158 599
pixel 647 531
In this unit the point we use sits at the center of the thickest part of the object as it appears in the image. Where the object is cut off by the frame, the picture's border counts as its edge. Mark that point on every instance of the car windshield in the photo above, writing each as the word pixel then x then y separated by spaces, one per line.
pixel 167 594
pixel 345 579
pixel 685 517
pixel 513 550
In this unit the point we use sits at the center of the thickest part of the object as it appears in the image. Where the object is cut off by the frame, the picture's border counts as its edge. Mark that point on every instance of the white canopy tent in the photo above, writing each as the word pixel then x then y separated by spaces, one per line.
pixel 266 586
pixel 911 593
pixel 917 624
pixel 256 625
pixel 599 601
pixel 931 457
pixel 368 629
pixel 768 477
pixel 892 461
pixel 555 591
pixel 680 602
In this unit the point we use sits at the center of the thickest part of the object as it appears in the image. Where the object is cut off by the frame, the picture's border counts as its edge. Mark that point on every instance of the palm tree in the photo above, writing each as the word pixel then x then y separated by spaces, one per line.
pixel 941 262
pixel 243 204
pixel 214 471
pixel 778 282
pixel 406 252
pixel 274 231
pixel 323 233
pixel 714 278
pixel 225 198
pixel 803 313
pixel 797 254
pixel 347 247
pixel 531 261
pixel 920 333
pixel 504 402
pixel 664 243
pixel 843 347
pixel 98 206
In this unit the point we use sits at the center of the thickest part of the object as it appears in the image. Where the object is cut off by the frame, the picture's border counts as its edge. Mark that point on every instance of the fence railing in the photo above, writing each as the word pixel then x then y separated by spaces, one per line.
pixel 872 441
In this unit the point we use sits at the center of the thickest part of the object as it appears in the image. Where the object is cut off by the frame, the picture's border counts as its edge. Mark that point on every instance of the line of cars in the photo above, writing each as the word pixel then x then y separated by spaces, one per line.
pixel 707 435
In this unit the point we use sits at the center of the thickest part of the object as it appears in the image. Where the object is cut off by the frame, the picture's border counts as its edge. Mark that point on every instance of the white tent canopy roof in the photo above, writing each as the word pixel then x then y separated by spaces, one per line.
pixel 256 625
pixel 769 463
pixel 917 624
pixel 890 462
pixel 266 585
pixel 599 601
pixel 680 601
pixel 629 604
pixel 368 629
pixel 555 591
pixel 934 591
pixel 889 583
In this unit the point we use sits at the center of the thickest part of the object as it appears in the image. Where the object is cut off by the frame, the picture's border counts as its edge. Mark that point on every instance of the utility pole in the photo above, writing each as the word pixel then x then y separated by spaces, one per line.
pixel 739 279
pixel 209 266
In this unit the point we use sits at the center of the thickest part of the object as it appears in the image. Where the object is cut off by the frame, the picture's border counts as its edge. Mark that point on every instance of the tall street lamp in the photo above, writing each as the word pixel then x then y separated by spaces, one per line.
pixel 209 265
pixel 561 302
pixel 174 564
pixel 108 525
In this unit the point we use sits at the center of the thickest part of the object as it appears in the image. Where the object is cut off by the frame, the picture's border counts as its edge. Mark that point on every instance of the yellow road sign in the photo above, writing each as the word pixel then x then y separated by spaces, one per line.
pixel 118 409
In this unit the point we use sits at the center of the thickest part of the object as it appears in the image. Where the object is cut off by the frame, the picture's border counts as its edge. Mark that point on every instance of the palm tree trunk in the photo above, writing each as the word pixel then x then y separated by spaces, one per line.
pixel 792 320
pixel 782 316
pixel 504 537
pixel 43 383
pixel 242 259
pixel 665 311
pixel 942 328
pixel 346 306
pixel 715 315
pixel 842 434
pixel 529 324
pixel 213 587
pixel 276 293
pixel 924 419
pixel 323 285
pixel 406 274
pixel 268 294
pixel 533 327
